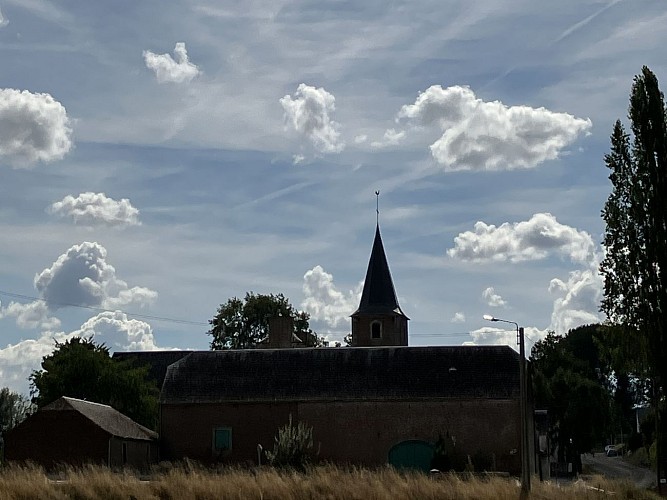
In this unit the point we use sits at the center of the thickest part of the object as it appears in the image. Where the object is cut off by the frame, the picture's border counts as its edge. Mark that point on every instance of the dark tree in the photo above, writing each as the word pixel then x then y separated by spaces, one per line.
pixel 243 324
pixel 14 407
pixel 570 382
pixel 635 288
pixel 82 369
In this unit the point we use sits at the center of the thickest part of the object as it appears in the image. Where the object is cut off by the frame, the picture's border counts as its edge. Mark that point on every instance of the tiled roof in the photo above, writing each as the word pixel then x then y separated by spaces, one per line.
pixel 346 373
pixel 105 417
pixel 378 296
pixel 157 361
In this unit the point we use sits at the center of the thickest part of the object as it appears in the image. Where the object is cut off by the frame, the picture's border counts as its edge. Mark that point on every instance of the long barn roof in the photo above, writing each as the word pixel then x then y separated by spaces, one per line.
pixel 345 373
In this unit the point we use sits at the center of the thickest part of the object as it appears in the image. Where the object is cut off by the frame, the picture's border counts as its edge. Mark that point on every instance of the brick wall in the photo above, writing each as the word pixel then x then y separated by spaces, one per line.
pixel 360 432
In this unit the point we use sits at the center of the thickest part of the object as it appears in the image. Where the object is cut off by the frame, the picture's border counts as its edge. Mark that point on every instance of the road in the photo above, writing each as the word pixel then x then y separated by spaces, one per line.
pixel 617 468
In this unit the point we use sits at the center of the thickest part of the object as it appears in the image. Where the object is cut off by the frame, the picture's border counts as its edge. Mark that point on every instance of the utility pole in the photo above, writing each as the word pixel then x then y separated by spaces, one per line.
pixel 523 395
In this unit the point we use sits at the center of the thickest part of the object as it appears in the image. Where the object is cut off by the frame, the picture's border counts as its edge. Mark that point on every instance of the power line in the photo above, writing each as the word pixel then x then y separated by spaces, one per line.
pixel 99 309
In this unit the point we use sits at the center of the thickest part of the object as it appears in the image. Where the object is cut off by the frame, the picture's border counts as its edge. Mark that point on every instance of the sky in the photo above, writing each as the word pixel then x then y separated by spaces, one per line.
pixel 160 158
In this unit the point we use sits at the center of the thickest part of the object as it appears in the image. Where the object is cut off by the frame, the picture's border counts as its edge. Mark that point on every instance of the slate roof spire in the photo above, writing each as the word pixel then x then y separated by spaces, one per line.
pixel 379 295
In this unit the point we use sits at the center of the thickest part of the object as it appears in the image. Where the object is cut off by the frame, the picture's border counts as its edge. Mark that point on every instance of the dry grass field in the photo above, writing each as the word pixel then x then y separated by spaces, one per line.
pixel 186 483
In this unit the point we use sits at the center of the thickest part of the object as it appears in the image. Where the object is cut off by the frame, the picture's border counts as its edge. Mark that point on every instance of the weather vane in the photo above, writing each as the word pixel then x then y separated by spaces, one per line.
pixel 377 206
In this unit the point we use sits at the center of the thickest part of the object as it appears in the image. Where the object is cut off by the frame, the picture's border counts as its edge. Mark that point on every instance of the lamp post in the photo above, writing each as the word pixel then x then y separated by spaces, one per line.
pixel 523 405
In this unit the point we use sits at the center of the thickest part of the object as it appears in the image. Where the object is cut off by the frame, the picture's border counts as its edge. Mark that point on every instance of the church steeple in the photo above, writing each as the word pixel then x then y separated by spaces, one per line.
pixel 379 319
pixel 379 295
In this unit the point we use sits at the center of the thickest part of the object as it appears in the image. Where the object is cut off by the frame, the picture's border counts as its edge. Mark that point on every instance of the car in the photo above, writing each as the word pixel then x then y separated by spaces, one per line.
pixel 611 451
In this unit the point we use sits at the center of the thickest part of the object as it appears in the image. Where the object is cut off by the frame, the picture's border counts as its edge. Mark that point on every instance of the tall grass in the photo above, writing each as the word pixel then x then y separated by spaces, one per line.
pixel 328 482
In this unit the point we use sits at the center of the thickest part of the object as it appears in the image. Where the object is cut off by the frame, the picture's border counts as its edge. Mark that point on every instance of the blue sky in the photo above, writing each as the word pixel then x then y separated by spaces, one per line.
pixel 159 159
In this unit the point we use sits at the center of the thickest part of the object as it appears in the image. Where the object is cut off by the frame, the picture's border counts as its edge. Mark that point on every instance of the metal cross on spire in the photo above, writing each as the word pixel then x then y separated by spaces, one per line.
pixel 377 207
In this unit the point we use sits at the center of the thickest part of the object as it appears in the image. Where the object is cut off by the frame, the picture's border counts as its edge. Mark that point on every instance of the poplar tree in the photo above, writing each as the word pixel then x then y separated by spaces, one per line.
pixel 634 267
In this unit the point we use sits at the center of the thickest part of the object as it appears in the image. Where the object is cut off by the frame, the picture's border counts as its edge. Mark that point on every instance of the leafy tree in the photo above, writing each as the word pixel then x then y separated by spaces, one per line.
pixel 571 380
pixel 243 324
pixel 14 408
pixel 82 369
pixel 635 286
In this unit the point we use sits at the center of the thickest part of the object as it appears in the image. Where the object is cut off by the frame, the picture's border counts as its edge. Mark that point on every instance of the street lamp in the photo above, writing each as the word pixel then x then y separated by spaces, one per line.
pixel 523 405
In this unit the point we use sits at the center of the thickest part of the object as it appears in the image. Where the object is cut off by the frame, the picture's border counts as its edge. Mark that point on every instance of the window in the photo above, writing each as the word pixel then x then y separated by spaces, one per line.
pixel 222 439
pixel 376 330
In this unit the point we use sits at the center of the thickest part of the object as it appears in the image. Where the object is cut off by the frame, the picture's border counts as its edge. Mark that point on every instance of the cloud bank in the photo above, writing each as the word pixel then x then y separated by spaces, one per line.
pixel 309 114
pixel 114 329
pixel 172 70
pixel 33 128
pixel 527 240
pixel 96 209
pixel 480 135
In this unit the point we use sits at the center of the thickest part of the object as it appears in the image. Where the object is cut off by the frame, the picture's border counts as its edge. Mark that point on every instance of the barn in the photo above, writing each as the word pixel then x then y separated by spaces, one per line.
pixel 71 431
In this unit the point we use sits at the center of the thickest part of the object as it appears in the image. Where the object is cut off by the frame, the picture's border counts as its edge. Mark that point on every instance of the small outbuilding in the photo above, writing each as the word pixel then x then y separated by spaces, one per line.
pixel 75 432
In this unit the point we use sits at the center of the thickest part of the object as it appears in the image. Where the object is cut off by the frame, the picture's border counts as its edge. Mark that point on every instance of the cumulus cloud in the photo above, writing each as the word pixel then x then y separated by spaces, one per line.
pixel 391 138
pixel 458 317
pixel 492 298
pixel 114 329
pixel 96 209
pixel 30 316
pixel 172 70
pixel 527 240
pixel 577 299
pixel 33 128
pixel 3 20
pixel 118 332
pixel 309 113
pixel 82 276
pixel 499 336
pixel 480 135
pixel 324 302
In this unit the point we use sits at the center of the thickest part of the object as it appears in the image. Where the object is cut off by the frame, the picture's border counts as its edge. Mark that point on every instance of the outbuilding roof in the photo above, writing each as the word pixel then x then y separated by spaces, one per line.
pixel 346 373
pixel 105 417
pixel 157 361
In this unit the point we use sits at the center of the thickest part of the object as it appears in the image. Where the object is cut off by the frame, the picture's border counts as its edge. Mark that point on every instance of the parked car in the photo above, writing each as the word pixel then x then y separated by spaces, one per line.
pixel 611 450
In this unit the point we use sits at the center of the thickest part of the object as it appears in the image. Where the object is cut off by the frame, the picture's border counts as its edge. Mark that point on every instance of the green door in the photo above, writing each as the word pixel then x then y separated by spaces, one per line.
pixel 412 454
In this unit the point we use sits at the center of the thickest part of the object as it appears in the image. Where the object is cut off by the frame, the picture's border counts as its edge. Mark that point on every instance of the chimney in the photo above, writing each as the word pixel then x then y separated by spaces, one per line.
pixel 281 329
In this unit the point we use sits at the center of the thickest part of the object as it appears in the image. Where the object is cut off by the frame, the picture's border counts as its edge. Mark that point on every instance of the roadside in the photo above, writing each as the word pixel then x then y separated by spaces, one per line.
pixel 617 468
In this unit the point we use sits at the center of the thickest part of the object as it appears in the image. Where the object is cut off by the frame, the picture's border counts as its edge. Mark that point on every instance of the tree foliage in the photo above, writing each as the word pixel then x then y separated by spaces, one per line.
pixel 14 408
pixel 82 369
pixel 570 380
pixel 243 324
pixel 635 286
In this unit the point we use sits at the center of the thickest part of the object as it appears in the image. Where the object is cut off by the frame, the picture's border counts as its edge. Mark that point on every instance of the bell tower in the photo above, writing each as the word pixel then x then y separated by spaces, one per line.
pixel 379 320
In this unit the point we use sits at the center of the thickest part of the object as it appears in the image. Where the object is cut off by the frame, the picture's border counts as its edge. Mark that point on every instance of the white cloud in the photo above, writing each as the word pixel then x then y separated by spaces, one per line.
pixel 296 159
pixel 498 336
pixel 114 329
pixel 32 315
pixel 480 135
pixel 492 298
pixel 168 70
pixel 577 301
pixel 458 317
pixel 360 139
pixel 391 138
pixel 33 128
pixel 3 20
pixel 527 240
pixel 118 333
pixel 96 208
pixel 82 276
pixel 309 114
pixel 324 302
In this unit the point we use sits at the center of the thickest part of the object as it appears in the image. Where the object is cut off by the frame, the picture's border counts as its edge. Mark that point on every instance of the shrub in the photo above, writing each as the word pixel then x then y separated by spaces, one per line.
pixel 293 446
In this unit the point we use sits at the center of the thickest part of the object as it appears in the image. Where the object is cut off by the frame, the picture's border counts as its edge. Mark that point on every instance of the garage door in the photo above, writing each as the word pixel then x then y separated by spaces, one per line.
pixel 412 454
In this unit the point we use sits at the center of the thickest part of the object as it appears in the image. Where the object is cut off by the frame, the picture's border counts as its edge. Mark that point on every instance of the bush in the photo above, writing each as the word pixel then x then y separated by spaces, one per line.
pixel 293 446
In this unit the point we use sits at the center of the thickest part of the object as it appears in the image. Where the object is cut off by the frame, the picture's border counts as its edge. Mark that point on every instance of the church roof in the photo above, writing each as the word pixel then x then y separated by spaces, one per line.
pixel 343 374
pixel 379 296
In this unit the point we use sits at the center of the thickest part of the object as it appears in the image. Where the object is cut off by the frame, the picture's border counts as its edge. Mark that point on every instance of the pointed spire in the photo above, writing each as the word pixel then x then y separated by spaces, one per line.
pixel 379 296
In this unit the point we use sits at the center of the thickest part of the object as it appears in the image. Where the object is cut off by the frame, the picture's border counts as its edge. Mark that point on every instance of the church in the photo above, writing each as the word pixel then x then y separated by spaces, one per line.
pixel 379 401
